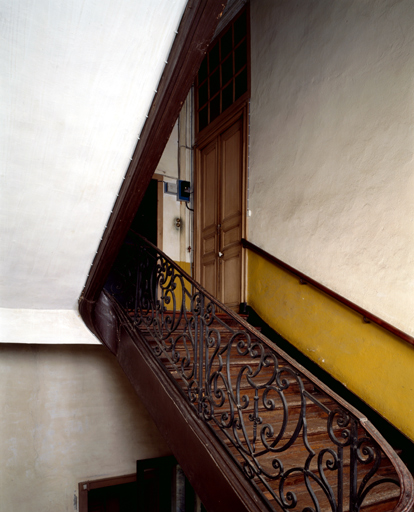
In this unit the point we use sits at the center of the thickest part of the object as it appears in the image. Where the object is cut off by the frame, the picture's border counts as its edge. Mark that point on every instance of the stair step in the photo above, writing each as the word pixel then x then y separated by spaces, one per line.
pixel 245 388
pixel 297 455
pixel 217 322
pixel 385 495
pixel 381 499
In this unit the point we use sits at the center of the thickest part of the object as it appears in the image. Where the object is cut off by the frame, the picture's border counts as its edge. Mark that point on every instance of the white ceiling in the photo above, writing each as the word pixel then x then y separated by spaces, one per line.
pixel 77 79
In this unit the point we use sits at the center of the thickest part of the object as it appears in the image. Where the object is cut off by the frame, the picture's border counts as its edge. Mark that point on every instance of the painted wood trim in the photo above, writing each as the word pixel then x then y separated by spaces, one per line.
pixel 224 121
pixel 196 29
pixel 160 209
pixel 214 126
pixel 304 279
pixel 85 487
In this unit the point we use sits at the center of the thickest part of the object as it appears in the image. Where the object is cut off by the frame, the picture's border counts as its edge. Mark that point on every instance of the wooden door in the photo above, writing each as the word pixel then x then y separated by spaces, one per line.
pixel 209 217
pixel 220 213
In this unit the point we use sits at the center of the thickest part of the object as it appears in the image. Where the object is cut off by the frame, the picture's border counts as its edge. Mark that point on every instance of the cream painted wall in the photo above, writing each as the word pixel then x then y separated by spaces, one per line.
pixel 44 326
pixel 168 164
pixel 332 146
pixel 68 414
pixel 176 163
pixel 171 234
pixel 168 167
pixel 78 79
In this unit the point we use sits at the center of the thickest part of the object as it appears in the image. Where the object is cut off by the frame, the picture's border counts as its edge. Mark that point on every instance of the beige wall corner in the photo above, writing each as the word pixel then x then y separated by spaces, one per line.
pixel 68 415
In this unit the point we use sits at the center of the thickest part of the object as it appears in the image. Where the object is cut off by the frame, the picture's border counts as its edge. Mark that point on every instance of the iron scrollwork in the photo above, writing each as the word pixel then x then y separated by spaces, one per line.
pixel 291 439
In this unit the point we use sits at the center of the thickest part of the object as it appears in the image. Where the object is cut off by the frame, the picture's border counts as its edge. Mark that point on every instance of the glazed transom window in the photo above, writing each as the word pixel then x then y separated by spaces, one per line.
pixel 223 75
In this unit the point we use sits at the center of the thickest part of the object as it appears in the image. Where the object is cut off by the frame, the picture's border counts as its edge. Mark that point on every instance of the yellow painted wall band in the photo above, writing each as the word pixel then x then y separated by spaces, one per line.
pixel 371 362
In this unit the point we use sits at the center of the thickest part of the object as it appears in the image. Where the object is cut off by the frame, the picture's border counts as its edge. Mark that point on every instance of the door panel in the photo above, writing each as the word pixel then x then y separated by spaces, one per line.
pixel 219 178
pixel 230 215
pixel 231 235
pixel 209 217
pixel 231 267
pixel 209 276
pixel 231 175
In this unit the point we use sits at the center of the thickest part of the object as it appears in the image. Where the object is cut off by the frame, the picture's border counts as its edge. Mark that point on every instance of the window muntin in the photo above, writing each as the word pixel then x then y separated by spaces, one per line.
pixel 223 75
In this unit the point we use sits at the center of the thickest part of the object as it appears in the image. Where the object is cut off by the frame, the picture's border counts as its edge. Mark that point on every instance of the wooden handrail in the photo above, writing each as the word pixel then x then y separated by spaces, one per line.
pixel 194 346
pixel 304 279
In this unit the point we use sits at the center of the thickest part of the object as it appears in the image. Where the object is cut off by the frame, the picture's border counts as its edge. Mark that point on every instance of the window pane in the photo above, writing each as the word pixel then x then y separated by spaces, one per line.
pixel 223 74
pixel 203 94
pixel 227 70
pixel 202 72
pixel 215 82
pixel 240 28
pixel 226 44
pixel 203 118
pixel 214 107
pixel 227 97
pixel 241 83
pixel 240 56
pixel 214 58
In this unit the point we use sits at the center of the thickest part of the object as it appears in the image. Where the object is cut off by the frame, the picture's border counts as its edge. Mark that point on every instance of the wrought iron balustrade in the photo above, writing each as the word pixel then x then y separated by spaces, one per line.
pixel 297 442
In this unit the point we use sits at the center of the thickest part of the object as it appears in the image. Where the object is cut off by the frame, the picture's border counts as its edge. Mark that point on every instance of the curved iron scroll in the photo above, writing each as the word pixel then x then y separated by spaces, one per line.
pixel 297 442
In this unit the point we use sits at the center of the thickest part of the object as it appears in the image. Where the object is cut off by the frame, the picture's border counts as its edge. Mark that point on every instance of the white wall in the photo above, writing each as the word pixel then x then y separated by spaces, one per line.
pixel 168 164
pixel 171 234
pixel 44 326
pixel 176 163
pixel 332 146
pixel 68 414
pixel 78 79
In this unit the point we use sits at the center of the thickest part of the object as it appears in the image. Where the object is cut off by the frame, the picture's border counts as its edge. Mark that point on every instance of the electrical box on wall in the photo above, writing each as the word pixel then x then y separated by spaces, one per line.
pixel 180 189
pixel 170 188
pixel 183 190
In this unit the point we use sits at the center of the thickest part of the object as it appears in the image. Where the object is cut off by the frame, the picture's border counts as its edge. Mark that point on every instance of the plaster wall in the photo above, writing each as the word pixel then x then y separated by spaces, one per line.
pixel 78 79
pixel 168 164
pixel 44 326
pixel 332 145
pixel 177 163
pixel 371 362
pixel 68 415
pixel 171 234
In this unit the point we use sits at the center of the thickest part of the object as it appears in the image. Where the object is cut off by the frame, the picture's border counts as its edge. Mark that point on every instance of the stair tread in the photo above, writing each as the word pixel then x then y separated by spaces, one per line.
pixel 179 344
pixel 297 456
pixel 383 499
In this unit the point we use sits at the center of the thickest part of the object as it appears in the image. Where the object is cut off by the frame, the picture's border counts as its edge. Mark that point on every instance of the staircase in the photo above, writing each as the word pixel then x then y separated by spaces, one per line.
pixel 290 442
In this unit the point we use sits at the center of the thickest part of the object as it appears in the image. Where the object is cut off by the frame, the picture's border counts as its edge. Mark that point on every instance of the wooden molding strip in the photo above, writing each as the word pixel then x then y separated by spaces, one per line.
pixel 304 279
pixel 195 32
pixel 85 487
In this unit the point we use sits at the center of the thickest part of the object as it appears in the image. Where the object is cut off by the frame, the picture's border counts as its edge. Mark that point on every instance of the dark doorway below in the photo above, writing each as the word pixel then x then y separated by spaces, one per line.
pixel 145 220
pixel 116 498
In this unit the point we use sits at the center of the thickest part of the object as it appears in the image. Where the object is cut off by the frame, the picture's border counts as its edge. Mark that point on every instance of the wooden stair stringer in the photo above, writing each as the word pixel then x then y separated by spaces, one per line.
pixel 390 497
pixel 208 466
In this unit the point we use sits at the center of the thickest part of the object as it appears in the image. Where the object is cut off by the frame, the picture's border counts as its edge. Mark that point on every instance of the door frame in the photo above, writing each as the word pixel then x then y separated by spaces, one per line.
pixel 89 485
pixel 160 209
pixel 203 139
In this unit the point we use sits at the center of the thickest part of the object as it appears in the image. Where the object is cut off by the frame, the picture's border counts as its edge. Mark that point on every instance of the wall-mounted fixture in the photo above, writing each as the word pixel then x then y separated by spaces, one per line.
pixel 170 188
pixel 181 189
